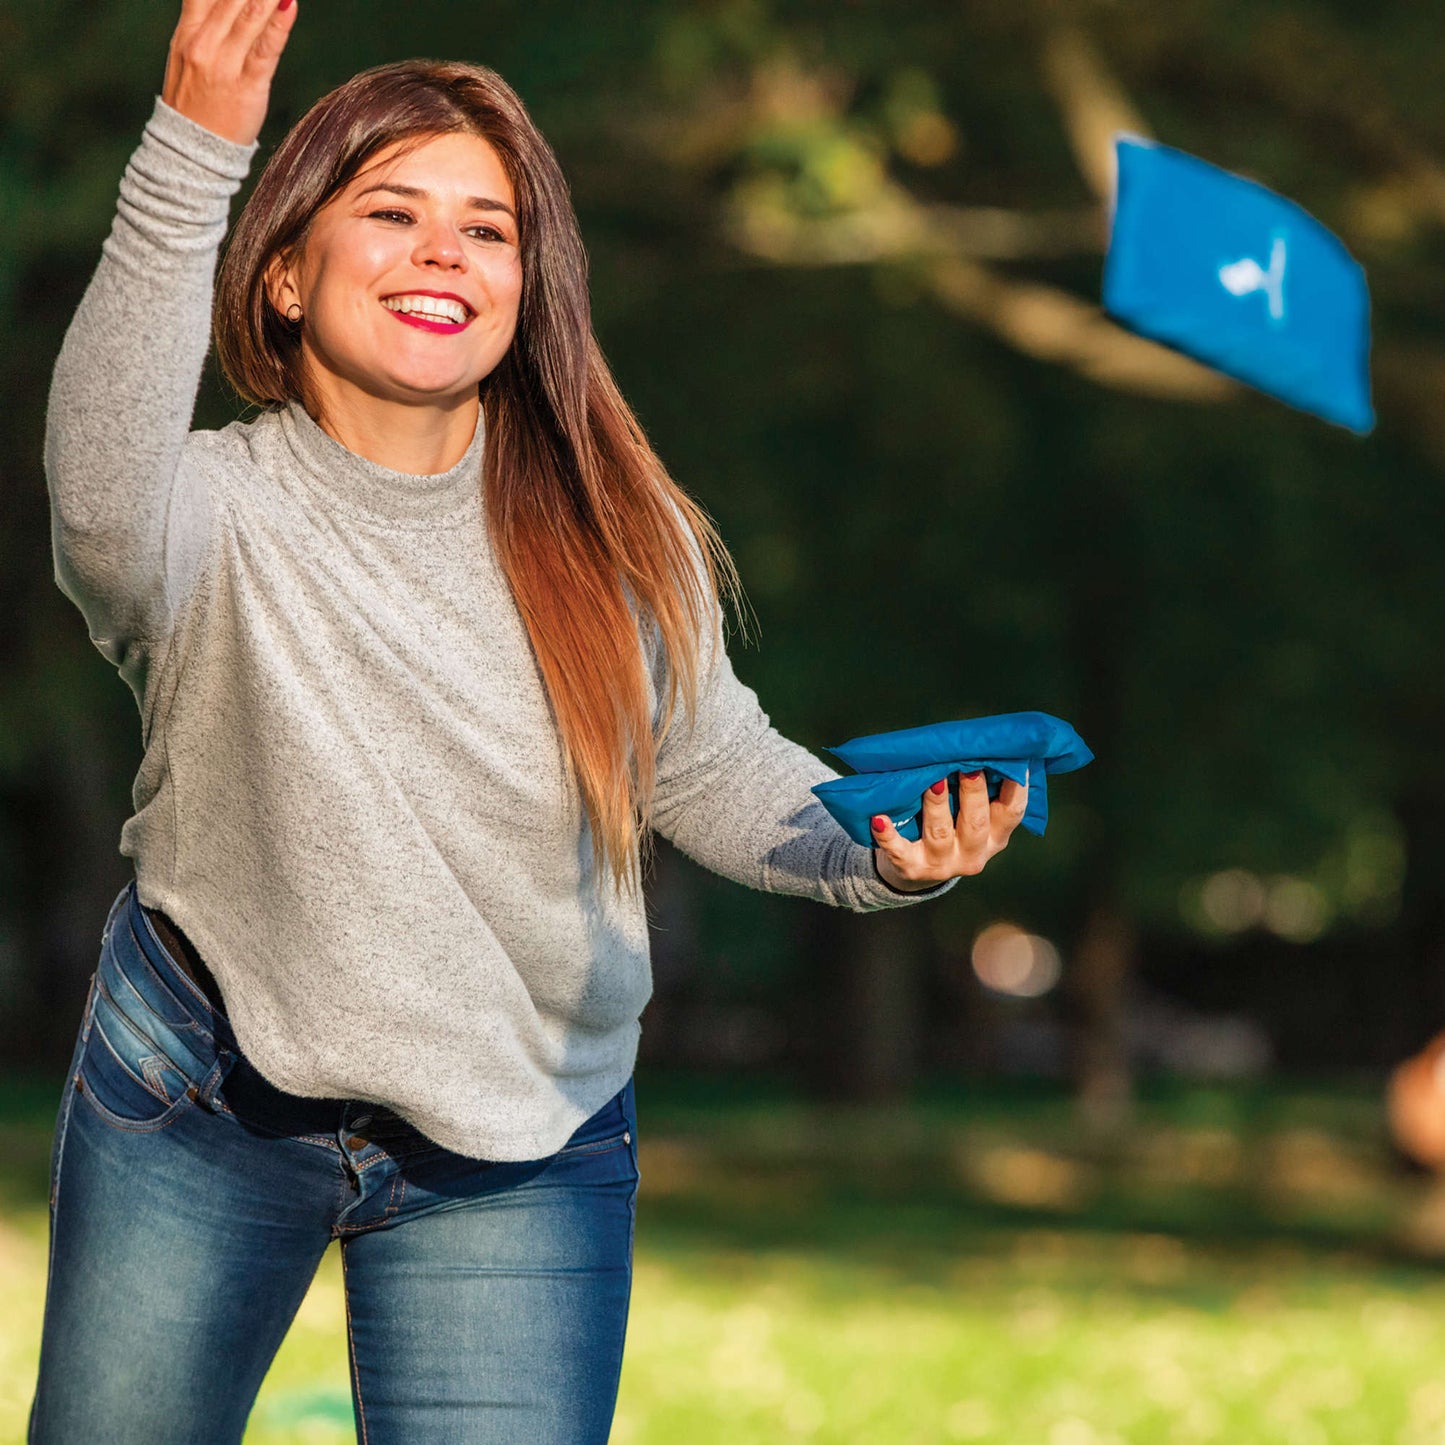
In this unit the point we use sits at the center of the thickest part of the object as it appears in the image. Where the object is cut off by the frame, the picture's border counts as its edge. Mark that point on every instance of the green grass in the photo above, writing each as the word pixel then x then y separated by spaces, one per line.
pixel 1240 1266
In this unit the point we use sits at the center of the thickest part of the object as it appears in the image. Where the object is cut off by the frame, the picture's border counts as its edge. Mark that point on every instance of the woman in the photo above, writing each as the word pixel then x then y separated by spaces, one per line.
pixel 421 654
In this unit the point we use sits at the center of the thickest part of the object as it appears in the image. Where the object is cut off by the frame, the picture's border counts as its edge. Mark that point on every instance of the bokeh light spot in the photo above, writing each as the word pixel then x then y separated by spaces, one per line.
pixel 1010 961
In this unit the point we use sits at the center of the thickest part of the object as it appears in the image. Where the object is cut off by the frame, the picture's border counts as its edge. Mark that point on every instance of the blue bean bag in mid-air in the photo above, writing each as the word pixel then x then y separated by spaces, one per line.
pixel 894 769
pixel 1236 276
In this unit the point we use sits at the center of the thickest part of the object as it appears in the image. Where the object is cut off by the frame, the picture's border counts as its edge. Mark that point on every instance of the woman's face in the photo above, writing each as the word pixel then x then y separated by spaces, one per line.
pixel 410 278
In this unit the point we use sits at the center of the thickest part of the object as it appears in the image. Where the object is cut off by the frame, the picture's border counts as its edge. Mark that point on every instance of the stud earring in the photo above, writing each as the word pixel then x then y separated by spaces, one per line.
pixel 293 313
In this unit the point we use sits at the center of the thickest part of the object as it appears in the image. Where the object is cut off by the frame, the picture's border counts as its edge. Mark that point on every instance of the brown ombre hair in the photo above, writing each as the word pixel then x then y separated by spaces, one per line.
pixel 595 539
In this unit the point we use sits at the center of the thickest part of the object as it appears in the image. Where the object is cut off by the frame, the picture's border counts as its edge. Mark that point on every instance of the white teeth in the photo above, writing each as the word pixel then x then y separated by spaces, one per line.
pixel 433 306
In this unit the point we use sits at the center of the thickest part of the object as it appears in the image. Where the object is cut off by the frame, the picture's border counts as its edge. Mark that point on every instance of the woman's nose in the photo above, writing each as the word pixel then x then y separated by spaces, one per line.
pixel 438 244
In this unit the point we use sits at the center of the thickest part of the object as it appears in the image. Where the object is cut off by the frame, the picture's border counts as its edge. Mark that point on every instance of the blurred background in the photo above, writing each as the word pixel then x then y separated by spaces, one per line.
pixel 1096 1148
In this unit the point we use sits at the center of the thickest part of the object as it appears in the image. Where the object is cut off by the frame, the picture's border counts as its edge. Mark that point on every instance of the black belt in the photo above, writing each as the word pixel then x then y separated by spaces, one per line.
pixel 258 1100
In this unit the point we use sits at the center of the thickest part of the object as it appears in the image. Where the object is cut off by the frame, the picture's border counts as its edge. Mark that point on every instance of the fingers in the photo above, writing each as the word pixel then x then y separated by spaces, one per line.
pixel 973 827
pixel 259 21
pixel 888 838
pixel 207 19
pixel 896 859
pixel 1008 809
pixel 950 847
pixel 227 32
pixel 900 852
pixel 222 58
pixel 197 12
pixel 933 856
pixel 269 44
pixel 935 825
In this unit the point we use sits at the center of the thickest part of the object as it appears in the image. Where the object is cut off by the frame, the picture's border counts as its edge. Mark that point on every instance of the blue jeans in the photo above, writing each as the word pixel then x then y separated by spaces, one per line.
pixel 191 1202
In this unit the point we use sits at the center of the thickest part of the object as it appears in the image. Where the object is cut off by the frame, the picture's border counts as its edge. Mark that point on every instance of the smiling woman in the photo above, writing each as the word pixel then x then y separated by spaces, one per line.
pixel 423 652
pixel 356 278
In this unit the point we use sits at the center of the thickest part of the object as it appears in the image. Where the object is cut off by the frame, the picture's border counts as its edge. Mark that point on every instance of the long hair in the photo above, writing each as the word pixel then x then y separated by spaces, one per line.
pixel 597 543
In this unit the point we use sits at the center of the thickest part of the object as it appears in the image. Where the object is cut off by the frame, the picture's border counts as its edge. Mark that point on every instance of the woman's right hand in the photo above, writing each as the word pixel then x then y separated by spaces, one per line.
pixel 221 61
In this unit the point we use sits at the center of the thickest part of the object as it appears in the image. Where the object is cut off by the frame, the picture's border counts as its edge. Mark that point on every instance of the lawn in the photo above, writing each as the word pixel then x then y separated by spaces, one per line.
pixel 1240 1266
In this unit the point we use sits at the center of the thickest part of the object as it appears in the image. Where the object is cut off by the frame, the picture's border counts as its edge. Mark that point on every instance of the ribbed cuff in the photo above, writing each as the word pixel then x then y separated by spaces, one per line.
pixel 227 158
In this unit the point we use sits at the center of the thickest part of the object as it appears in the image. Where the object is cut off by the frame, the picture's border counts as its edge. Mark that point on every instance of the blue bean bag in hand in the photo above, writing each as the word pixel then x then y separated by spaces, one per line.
pixel 895 769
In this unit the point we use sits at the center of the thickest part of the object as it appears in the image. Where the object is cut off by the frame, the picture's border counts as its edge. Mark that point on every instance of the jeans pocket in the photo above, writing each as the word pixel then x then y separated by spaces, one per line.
pixel 124 1075
pixel 596 1146
pixel 609 1128
pixel 150 975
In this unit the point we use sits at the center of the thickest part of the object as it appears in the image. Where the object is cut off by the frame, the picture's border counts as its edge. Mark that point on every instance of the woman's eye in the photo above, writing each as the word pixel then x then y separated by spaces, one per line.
pixel 486 233
pixel 390 216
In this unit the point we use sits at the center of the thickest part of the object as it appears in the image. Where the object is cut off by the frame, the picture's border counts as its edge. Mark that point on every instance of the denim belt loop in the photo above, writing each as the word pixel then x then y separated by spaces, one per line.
pixel 206 1094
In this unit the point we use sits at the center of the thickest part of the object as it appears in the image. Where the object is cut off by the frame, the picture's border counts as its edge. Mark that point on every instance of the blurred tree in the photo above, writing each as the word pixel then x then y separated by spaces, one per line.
pixel 841 140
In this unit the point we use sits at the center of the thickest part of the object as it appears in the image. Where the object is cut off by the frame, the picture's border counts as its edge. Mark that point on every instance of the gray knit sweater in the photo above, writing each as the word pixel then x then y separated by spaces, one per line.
pixel 352 798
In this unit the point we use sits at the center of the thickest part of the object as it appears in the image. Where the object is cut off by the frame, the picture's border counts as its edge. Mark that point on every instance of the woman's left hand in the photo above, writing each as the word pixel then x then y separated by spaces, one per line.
pixel 949 847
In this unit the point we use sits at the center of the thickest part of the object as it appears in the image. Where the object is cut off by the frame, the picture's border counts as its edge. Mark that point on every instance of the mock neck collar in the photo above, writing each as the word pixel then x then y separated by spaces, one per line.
pixel 379 493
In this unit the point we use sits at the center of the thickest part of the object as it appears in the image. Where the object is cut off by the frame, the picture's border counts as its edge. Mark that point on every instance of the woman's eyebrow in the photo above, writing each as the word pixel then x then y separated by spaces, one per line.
pixel 415 193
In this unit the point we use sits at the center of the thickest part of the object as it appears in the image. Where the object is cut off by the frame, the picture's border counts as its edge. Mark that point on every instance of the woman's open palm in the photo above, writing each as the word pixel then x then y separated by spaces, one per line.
pixel 221 61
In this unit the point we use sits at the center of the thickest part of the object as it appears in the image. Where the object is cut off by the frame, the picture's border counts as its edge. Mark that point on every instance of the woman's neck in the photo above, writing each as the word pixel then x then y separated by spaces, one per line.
pixel 418 440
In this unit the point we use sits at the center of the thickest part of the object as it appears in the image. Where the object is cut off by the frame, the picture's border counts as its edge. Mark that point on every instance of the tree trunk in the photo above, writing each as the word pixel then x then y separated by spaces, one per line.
pixel 1100 970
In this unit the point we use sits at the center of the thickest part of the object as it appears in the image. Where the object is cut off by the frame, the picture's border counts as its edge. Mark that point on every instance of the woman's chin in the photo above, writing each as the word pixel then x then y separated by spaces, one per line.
pixel 407 375
pixel 445 391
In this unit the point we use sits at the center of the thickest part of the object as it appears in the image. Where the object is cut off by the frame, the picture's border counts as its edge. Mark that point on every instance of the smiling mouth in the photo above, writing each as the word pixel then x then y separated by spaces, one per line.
pixel 431 313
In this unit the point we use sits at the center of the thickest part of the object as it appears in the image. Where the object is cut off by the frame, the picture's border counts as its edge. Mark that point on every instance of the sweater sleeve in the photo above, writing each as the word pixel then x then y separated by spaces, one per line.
pixel 733 794
pixel 129 520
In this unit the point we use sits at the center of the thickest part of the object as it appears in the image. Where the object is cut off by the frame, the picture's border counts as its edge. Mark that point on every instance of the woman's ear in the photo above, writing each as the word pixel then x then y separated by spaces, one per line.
pixel 280 282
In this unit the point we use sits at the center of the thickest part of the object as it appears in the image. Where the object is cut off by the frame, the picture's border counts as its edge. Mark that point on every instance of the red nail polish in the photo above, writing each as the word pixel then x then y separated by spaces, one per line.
pixel 971 776
pixel 879 823
pixel 284 5
pixel 938 787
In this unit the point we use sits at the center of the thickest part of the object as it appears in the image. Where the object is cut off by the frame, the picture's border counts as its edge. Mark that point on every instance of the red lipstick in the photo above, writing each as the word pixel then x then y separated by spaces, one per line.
pixel 433 323
pixel 430 323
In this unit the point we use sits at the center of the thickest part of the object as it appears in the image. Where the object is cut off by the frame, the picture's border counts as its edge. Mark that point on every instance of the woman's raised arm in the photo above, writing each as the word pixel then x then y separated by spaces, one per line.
pixel 129 526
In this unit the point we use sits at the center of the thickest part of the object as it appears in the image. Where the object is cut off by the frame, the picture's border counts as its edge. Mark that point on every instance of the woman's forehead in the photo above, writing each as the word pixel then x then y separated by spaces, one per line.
pixel 457 160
